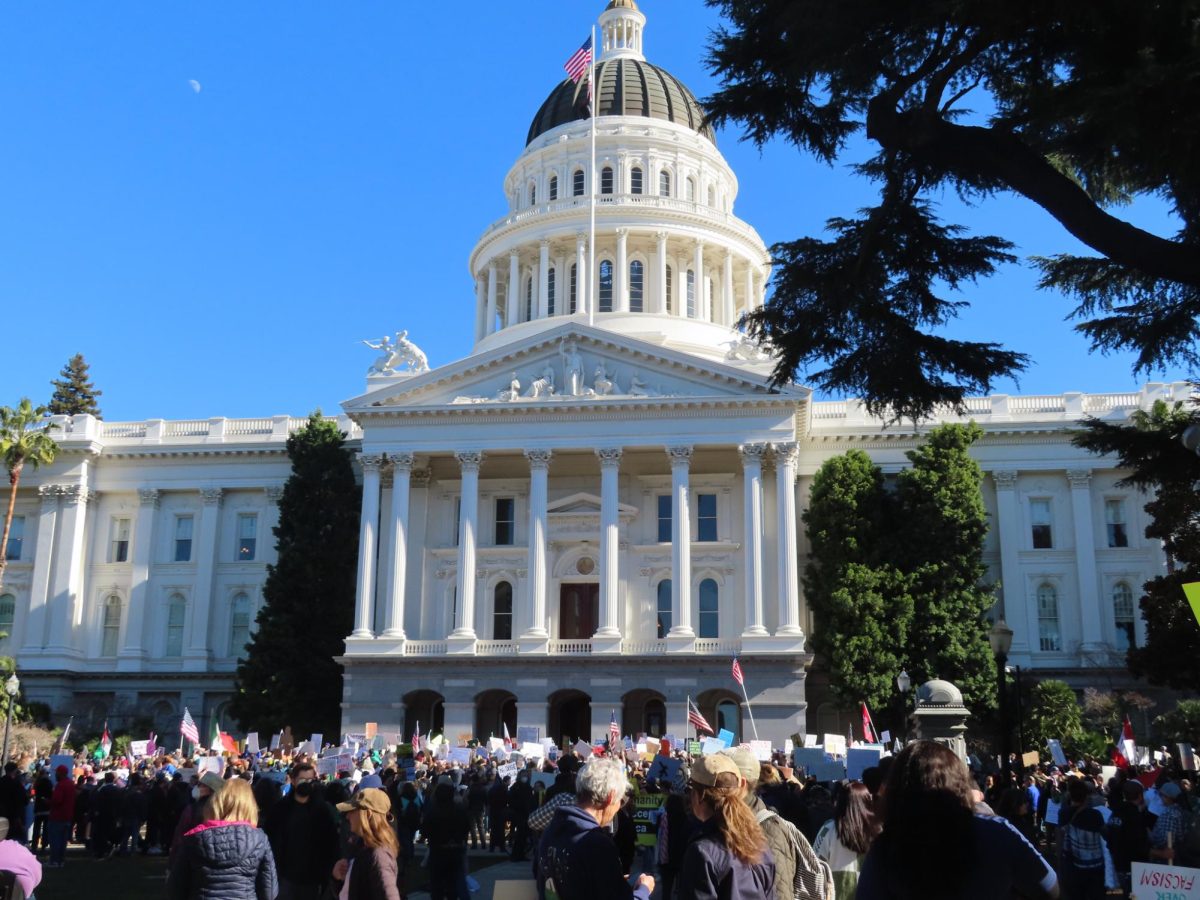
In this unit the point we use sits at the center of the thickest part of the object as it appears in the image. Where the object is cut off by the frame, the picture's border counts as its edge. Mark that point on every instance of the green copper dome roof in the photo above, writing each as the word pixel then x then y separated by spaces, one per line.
pixel 628 87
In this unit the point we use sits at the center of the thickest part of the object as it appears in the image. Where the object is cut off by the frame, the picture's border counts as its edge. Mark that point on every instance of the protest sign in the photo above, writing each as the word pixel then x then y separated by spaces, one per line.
pixel 543 778
pixel 835 744
pixel 711 745
pixel 725 735
pixel 64 759
pixel 318 741
pixel 461 755
pixel 810 740
pixel 532 750
pixel 379 742
pixel 1056 752
pixel 1108 773
pixel 645 818
pixel 371 729
pixel 508 770
pixel 1152 882
pixel 275 739
pixel 137 749
pixel 885 737
pixel 761 750
pixel 327 767
pixel 1031 759
pixel 693 748
pixel 583 748
pixel 859 759
pixel 210 764
pixel 252 742
pixel 528 734
pixel 1187 757
pixel 495 743
pixel 1192 592
pixel 664 769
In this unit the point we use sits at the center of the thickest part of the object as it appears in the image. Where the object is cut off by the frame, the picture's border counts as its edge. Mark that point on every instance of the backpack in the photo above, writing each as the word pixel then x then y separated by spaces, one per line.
pixel 814 877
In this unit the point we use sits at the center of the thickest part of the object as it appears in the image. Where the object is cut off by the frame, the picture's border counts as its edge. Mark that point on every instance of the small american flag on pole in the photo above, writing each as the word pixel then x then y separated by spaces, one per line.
pixel 698 720
pixel 580 61
pixel 737 672
pixel 614 731
pixel 187 728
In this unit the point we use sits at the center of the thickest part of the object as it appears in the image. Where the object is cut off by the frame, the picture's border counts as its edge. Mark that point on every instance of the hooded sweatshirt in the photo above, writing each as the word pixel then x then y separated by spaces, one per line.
pixel 581 859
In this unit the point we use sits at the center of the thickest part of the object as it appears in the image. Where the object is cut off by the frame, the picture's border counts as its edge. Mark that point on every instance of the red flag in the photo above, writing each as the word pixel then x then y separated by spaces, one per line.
pixel 737 672
pixel 868 726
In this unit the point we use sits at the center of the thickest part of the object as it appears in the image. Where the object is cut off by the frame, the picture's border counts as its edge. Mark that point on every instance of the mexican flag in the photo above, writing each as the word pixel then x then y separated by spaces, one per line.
pixel 216 743
pixel 105 743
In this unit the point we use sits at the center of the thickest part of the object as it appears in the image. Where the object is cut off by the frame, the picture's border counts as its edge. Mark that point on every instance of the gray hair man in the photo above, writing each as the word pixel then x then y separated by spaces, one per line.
pixel 774 827
pixel 576 857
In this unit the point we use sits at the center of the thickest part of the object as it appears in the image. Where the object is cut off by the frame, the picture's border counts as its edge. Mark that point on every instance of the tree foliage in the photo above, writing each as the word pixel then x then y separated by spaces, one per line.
pixel 24 441
pixel 1149 447
pixel 74 394
pixel 1053 714
pixel 288 675
pixel 1078 107
pixel 895 580
pixel 1181 725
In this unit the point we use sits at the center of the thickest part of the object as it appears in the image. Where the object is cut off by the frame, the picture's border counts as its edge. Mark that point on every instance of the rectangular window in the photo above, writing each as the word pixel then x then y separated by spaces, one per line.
pixel 551 291
pixel 506 518
pixel 577 183
pixel 691 294
pixel 706 517
pixel 175 615
pixel 457 520
pixel 1041 524
pixel 16 538
pixel 636 285
pixel 606 287
pixel 664 183
pixel 606 180
pixel 664 518
pixel 670 304
pixel 247 536
pixel 553 187
pixel 183 538
pixel 1114 523
pixel 118 551
pixel 635 181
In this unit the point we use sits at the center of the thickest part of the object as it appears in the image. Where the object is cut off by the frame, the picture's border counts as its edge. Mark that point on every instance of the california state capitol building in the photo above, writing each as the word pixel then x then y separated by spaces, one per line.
pixel 594 510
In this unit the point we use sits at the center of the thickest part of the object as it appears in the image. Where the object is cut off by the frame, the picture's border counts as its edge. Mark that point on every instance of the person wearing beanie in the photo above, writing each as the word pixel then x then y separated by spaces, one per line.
pixel 772 825
pixel 62 814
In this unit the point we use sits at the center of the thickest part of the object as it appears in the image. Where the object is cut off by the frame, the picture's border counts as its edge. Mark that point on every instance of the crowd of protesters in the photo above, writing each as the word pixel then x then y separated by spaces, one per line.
pixel 728 826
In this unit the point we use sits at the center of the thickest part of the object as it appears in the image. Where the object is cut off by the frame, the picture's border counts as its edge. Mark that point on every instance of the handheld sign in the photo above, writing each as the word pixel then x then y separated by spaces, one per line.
pixel 1152 882
pixel 1056 752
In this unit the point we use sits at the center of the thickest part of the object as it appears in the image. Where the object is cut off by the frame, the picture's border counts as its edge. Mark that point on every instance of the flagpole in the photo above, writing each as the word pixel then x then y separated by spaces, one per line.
pixel 594 99
pixel 749 709
pixel 687 718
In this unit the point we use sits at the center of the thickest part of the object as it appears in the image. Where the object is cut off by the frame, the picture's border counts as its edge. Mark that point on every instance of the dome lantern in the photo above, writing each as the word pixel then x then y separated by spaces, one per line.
pixel 621 26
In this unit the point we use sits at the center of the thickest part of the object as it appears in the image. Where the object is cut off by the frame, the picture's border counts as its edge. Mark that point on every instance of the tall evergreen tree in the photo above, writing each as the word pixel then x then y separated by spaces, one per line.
pixel 1150 447
pixel 288 675
pixel 896 577
pixel 74 394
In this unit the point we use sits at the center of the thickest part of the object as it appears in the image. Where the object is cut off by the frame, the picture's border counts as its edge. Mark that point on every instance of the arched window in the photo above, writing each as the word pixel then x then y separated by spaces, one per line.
pixel 729 717
pixel 110 627
pixel 528 299
pixel 636 281
pixel 691 294
pixel 1122 596
pixel 669 306
pixel 712 196
pixel 551 291
pixel 239 625
pixel 532 194
pixel 553 188
pixel 502 612
pixel 606 287
pixel 664 607
pixel 1049 636
pixel 176 610
pixel 710 617
pixel 635 180
pixel 573 299
pixel 8 611
pixel 691 189
pixel 577 183
pixel 664 183
pixel 606 180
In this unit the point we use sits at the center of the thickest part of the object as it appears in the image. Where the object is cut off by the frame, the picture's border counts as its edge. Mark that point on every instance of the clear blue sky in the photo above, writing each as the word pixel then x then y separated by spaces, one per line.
pixel 222 252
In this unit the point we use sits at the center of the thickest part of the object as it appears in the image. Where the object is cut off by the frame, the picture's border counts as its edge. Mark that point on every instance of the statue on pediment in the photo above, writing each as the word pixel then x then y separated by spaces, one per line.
pixel 513 392
pixel 542 386
pixel 572 369
pixel 745 348
pixel 602 383
pixel 401 352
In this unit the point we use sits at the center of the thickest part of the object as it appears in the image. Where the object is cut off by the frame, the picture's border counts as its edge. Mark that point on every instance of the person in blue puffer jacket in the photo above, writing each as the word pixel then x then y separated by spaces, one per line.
pixel 226 857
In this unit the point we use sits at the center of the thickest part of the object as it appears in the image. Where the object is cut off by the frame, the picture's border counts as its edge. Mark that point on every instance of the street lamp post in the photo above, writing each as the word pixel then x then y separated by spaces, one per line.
pixel 11 687
pixel 903 682
pixel 1000 637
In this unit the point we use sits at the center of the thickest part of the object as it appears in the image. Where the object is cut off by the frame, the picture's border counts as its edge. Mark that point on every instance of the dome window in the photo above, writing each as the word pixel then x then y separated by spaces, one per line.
pixel 712 196
pixel 637 273
pixel 573 297
pixel 577 183
pixel 691 189
pixel 551 291
pixel 635 180
pixel 691 294
pixel 532 194
pixel 529 299
pixel 553 188
pixel 606 287
pixel 664 183
pixel 669 305
pixel 606 180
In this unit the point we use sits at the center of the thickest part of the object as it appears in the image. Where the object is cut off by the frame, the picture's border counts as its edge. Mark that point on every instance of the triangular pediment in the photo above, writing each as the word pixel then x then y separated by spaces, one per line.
pixel 570 365
pixel 584 504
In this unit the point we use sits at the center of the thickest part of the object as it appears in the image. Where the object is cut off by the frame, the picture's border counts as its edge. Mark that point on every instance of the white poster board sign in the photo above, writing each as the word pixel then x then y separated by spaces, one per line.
pixel 835 744
pixel 327 767
pixel 495 744
pixel 762 750
pixel 583 748
pixel 531 750
pixel 711 745
pixel 252 743
pixel 212 764
pixel 137 749
pixel 1151 882
pixel 461 755
pixel 508 770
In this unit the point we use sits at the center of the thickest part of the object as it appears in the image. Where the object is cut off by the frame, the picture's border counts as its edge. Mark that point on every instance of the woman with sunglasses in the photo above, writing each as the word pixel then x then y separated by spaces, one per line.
pixel 728 857
pixel 372 872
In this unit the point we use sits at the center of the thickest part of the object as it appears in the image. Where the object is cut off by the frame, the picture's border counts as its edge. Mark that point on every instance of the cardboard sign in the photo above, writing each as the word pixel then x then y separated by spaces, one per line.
pixel 761 750
pixel 1152 882
pixel 1031 759
pixel 252 742
pixel 859 759
pixel 1056 752
pixel 137 749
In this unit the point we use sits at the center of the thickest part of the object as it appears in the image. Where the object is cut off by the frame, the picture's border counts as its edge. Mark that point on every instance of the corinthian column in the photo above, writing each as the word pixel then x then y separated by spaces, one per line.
pixel 608 635
pixel 535 635
pixel 464 625
pixel 681 546
pixel 785 504
pixel 364 607
pixel 393 624
pixel 752 514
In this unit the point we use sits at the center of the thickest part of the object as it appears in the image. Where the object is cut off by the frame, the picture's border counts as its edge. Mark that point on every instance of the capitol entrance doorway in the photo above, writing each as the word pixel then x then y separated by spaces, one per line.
pixel 578 611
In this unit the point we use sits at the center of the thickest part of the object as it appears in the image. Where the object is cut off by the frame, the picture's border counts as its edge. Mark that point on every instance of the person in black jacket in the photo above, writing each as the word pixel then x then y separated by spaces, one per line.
pixel 13 799
pixel 226 857
pixel 304 836
pixel 445 826
pixel 521 802
pixel 497 813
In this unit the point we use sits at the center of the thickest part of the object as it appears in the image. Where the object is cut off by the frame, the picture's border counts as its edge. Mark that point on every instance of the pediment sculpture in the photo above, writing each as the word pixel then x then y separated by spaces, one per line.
pixel 395 354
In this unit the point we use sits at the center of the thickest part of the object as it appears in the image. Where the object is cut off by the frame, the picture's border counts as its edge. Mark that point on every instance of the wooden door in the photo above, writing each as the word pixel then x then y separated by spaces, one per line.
pixel 578 611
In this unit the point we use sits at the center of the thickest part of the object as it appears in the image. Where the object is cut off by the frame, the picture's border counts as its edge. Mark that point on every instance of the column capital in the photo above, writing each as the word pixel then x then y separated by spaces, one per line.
pixel 75 493
pixel 149 497
pixel 370 461
pixel 752 453
pixel 1006 479
pixel 661 235
pixel 274 493
pixel 622 232
pixel 544 244
pixel 469 460
pixel 401 461
pixel 539 458
pixel 48 494
pixel 513 256
pixel 420 478
pixel 1079 478
pixel 212 496
pixel 680 456
pixel 786 453
pixel 610 457
pixel 580 239
pixel 491 265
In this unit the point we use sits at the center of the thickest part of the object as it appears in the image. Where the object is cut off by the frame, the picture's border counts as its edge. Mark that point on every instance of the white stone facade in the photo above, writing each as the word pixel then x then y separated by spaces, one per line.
pixel 591 513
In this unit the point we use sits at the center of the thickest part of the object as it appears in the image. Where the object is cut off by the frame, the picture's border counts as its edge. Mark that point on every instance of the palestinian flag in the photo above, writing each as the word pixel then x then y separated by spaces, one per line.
pixel 105 743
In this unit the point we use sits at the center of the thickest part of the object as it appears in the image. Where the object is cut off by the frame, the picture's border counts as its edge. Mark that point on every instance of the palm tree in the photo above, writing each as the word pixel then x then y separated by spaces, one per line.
pixel 23 440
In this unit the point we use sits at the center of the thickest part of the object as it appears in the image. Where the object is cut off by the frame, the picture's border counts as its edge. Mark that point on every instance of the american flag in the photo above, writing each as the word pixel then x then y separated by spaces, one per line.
pixel 698 720
pixel 614 731
pixel 416 739
pixel 580 61
pixel 737 672
pixel 188 729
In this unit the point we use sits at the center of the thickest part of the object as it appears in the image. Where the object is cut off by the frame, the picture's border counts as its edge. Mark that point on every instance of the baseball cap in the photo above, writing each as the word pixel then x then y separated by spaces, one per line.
pixel 213 782
pixel 707 770
pixel 372 799
pixel 1171 790
pixel 746 762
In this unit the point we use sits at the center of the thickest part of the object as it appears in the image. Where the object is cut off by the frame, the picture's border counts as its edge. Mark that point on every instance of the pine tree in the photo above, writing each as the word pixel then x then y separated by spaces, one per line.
pixel 289 676
pixel 74 394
